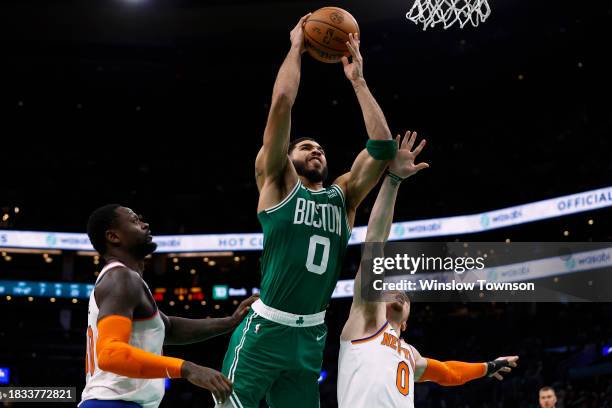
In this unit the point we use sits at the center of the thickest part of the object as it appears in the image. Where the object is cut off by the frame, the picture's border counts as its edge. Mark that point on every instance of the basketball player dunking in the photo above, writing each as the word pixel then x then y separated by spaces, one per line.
pixel 126 330
pixel 376 368
pixel 276 353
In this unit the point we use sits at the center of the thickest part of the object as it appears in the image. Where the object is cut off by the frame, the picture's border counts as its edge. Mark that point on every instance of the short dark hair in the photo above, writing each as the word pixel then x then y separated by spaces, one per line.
pixel 99 222
pixel 547 388
pixel 293 143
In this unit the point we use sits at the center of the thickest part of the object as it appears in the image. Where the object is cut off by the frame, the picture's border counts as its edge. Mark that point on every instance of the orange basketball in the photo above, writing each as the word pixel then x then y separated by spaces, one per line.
pixel 326 33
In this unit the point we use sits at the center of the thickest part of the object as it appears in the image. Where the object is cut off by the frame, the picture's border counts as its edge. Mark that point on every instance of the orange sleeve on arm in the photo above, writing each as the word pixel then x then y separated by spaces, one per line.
pixel 452 372
pixel 117 356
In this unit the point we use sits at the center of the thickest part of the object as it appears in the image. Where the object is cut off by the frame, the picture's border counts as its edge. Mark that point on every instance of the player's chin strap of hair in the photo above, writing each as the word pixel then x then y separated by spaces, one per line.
pixel 457 372
pixel 382 149
pixel 117 356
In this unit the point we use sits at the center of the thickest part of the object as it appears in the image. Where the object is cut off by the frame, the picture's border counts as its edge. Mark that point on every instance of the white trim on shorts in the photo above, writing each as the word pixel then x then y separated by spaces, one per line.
pixel 235 401
pixel 234 365
pixel 231 402
pixel 285 318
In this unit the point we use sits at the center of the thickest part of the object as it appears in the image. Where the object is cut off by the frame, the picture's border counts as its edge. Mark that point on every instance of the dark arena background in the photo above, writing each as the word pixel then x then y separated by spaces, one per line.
pixel 160 106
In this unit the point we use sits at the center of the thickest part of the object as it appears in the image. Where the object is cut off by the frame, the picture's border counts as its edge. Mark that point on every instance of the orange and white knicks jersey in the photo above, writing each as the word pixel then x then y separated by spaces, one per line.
pixel 147 334
pixel 376 371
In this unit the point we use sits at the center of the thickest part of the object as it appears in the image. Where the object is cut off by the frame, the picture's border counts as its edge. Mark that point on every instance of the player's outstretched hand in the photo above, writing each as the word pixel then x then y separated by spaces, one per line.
pixel 354 69
pixel 208 379
pixel 243 309
pixel 501 365
pixel 403 163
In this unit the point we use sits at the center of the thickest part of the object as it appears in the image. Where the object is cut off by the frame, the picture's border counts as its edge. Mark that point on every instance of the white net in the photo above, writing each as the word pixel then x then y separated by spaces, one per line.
pixel 448 12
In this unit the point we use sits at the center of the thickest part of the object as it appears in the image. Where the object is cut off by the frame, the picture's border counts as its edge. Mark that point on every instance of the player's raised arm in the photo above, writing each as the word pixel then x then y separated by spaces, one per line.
pixel 450 373
pixel 381 217
pixel 371 162
pixel 379 226
pixel 117 296
pixel 180 330
pixel 272 160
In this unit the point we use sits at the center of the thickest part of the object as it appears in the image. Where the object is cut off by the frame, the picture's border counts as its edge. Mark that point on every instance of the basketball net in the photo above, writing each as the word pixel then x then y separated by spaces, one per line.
pixel 433 12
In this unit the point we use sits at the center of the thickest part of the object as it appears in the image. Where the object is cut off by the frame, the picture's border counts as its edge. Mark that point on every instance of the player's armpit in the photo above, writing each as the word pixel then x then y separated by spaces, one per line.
pixel 452 372
pixel 117 356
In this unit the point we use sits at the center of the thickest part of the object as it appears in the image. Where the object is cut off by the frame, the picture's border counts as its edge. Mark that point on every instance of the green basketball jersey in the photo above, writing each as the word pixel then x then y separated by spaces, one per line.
pixel 305 239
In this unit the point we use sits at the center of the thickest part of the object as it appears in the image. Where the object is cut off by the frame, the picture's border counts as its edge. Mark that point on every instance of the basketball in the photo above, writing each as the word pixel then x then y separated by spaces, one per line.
pixel 326 32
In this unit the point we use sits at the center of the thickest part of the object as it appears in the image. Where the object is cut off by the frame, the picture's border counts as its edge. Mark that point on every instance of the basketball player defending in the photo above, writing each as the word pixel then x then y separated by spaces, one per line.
pixel 277 352
pixel 126 332
pixel 376 368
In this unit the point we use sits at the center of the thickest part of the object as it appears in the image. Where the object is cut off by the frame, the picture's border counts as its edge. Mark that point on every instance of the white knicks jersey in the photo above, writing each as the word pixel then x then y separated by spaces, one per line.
pixel 376 372
pixel 148 335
